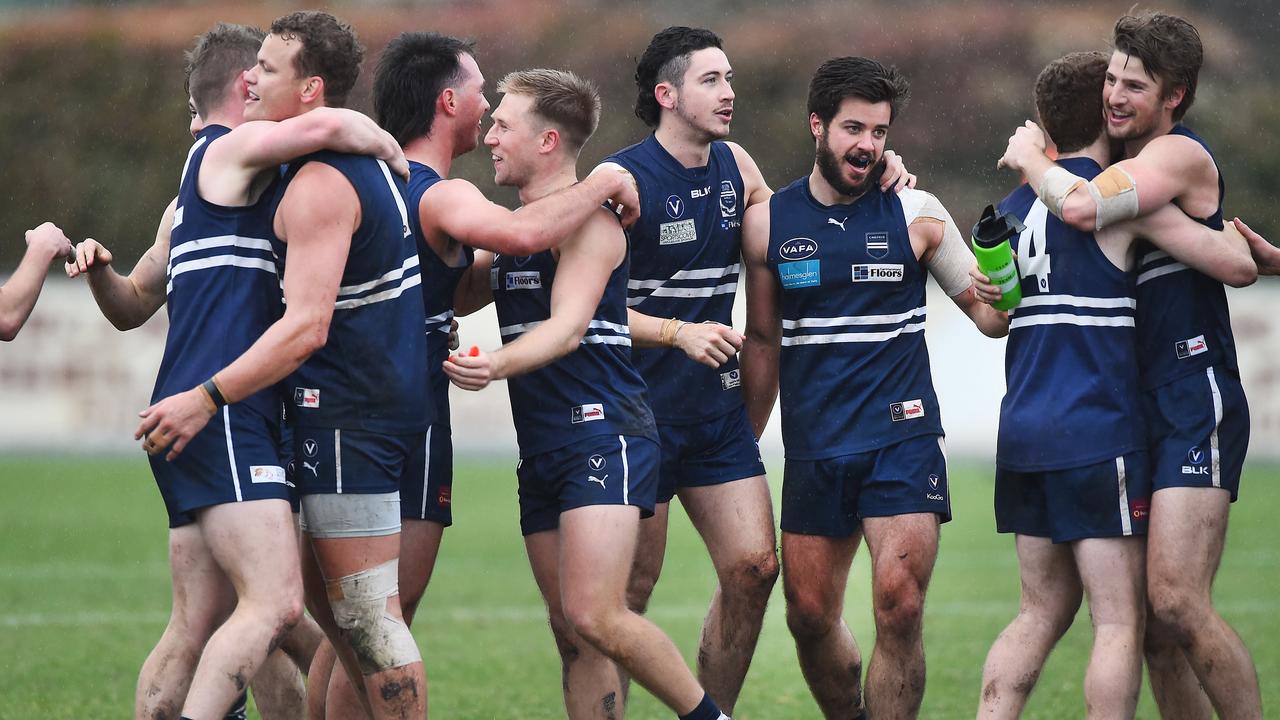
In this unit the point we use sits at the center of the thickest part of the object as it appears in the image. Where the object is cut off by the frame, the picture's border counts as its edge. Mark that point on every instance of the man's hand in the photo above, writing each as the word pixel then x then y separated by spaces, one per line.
pixel 88 256
pixel 982 287
pixel 1026 140
pixel 895 176
pixel 626 194
pixel 709 343
pixel 453 334
pixel 471 371
pixel 1265 255
pixel 49 238
pixel 172 422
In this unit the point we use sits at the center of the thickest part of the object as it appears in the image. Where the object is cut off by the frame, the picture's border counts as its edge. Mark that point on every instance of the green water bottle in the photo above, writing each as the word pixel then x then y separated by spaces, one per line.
pixel 995 257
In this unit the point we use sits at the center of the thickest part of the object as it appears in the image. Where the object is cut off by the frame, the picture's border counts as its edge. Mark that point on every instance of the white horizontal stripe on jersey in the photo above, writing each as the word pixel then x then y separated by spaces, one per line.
pixel 1079 301
pixel 409 263
pixel 506 330
pixel 219 261
pixel 219 241
pixel 606 340
pixel 702 274
pixel 606 325
pixel 1069 319
pixel 1153 256
pixel 819 322
pixel 1161 271
pixel 411 281
pixel 728 288
pixel 869 337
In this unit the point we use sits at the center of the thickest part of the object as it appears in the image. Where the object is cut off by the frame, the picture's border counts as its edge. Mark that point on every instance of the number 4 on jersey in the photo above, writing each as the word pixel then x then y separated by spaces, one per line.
pixel 1033 252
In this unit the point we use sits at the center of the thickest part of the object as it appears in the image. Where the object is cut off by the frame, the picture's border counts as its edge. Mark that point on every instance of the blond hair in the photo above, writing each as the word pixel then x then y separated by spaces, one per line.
pixel 567 101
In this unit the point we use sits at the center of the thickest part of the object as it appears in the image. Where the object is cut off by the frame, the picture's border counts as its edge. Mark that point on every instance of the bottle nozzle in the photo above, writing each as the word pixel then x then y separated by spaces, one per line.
pixel 993 229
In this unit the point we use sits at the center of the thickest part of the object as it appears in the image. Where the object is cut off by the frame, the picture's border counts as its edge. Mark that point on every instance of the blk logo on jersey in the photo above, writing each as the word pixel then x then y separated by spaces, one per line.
pixel 306 397
pixel 728 199
pixel 906 410
pixel 674 233
pixel 805 273
pixel 731 379
pixel 799 248
pixel 1191 347
pixel 877 273
pixel 586 413
pixel 1195 460
pixel 525 280
pixel 675 207
pixel 878 244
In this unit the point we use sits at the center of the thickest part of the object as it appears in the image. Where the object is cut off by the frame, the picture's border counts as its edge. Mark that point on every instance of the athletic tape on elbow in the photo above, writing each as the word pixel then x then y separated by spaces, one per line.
pixel 359 601
pixel 1057 184
pixel 952 260
pixel 1115 193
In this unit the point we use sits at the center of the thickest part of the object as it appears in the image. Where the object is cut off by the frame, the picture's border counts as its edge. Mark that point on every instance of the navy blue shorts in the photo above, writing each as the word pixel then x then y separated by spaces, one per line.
pixel 1198 431
pixel 601 470
pixel 234 458
pixel 285 446
pixel 334 461
pixel 714 452
pixel 1108 499
pixel 831 496
pixel 426 492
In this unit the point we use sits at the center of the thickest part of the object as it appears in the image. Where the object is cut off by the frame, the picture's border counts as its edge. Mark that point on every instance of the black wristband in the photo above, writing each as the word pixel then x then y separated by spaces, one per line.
pixel 215 394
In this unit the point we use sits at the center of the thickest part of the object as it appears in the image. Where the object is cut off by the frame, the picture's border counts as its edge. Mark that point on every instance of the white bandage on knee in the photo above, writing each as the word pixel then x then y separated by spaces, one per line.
pixel 952 260
pixel 1057 184
pixel 1116 195
pixel 359 601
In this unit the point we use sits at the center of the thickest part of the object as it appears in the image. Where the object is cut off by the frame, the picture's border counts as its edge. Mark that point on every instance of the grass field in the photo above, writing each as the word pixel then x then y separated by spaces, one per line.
pixel 84 595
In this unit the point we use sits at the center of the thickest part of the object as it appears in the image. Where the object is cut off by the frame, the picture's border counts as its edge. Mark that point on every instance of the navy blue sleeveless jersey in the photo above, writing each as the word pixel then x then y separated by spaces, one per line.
pixel 439 281
pixel 686 251
pixel 594 390
pixel 222 288
pixel 1071 366
pixel 1184 325
pixel 854 372
pixel 370 374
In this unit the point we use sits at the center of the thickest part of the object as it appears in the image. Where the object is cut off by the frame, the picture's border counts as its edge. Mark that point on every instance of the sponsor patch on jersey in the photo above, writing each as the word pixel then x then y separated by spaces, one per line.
pixel 877 273
pixel 878 244
pixel 1191 347
pixel 728 199
pixel 444 498
pixel 586 413
pixel 306 397
pixel 177 218
pixel 524 280
pixel 805 273
pixel 731 379
pixel 799 248
pixel 267 474
pixel 1140 508
pixel 674 233
pixel 906 410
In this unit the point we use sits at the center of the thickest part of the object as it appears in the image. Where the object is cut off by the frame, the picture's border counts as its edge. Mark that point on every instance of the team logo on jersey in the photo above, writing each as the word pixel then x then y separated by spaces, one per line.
pixel 728 199
pixel 586 413
pixel 675 207
pixel 267 474
pixel 306 397
pixel 595 462
pixel 674 233
pixel 1195 460
pixel 933 481
pixel 800 248
pixel 877 244
pixel 528 280
pixel 309 447
pixel 731 379
pixel 1191 347
pixel 906 410
pixel 877 273
pixel 805 273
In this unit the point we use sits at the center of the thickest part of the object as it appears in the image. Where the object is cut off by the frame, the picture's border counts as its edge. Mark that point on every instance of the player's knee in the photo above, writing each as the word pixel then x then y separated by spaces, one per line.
pixel 640 587
pixel 754 577
pixel 379 639
pixel 899 608
pixel 1175 611
pixel 810 616
pixel 592 620
pixel 567 641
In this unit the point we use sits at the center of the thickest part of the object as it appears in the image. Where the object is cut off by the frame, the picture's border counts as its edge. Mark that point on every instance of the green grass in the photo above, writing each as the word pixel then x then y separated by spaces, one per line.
pixel 84 595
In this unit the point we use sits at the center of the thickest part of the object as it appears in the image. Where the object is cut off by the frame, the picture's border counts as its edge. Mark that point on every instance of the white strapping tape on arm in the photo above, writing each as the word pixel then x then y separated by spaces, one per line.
pixel 1115 193
pixel 1056 185
pixel 952 259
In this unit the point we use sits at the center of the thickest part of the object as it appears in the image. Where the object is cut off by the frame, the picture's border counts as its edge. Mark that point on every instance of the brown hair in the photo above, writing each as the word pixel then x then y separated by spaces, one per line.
pixel 329 49
pixel 219 56
pixel 562 98
pixel 1069 99
pixel 1170 50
